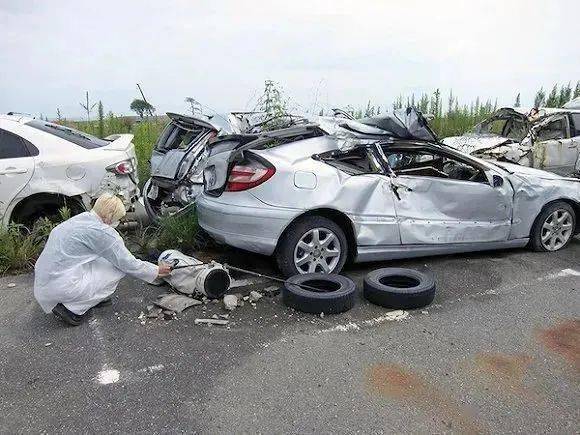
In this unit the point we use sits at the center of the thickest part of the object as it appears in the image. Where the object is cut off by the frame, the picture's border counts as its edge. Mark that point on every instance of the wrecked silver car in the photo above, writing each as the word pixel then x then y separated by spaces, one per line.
pixel 546 139
pixel 318 194
pixel 180 153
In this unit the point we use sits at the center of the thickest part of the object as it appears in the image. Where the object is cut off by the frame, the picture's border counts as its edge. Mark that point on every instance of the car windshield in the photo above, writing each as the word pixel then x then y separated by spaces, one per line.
pixel 505 125
pixel 84 140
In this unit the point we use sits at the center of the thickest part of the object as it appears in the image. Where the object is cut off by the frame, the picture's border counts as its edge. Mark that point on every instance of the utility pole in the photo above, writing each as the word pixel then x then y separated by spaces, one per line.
pixel 144 99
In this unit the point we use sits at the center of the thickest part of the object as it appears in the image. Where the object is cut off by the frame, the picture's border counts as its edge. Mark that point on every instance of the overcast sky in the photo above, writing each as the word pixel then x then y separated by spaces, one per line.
pixel 323 53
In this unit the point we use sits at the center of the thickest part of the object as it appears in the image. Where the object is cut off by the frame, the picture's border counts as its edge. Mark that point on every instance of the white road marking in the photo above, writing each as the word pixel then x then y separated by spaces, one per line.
pixel 108 376
pixel 391 316
pixel 152 369
pixel 562 274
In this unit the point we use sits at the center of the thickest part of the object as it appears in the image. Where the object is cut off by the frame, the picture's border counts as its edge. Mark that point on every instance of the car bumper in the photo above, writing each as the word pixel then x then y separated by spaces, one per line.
pixel 253 226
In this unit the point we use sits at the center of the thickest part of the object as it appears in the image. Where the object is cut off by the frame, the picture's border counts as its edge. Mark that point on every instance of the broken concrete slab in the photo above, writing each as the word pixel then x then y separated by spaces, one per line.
pixel 175 302
pixel 230 302
pixel 219 322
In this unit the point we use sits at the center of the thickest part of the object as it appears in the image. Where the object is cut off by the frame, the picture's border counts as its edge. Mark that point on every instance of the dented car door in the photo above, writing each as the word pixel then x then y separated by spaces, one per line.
pixel 555 150
pixel 441 199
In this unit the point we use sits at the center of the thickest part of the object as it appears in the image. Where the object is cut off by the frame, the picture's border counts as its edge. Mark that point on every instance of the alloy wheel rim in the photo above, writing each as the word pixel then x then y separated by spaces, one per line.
pixel 556 230
pixel 318 250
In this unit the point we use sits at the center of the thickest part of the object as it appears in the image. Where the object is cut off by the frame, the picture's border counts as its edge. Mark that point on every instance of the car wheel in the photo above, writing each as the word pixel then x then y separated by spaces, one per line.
pixel 328 294
pixel 313 244
pixel 553 228
pixel 399 288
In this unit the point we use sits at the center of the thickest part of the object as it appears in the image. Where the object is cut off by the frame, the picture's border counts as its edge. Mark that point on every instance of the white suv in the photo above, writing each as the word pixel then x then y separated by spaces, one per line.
pixel 44 166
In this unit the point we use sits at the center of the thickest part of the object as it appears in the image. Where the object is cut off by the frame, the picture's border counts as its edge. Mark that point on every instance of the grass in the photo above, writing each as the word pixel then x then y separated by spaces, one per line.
pixel 20 247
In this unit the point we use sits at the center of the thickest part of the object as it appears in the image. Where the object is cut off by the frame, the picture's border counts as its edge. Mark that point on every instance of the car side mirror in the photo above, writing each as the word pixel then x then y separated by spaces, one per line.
pixel 497 181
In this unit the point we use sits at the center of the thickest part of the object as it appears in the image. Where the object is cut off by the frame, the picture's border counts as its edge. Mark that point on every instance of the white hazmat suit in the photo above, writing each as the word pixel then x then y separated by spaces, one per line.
pixel 83 261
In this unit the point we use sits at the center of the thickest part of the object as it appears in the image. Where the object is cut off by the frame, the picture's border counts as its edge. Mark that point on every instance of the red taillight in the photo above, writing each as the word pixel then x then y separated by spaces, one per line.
pixel 122 168
pixel 244 177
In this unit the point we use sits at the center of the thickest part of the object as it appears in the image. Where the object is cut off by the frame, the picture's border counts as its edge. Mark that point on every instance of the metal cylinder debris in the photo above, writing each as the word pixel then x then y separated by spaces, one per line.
pixel 208 279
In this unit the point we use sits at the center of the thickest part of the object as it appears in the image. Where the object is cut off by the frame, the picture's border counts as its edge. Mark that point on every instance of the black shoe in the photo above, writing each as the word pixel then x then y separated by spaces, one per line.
pixel 67 315
pixel 104 303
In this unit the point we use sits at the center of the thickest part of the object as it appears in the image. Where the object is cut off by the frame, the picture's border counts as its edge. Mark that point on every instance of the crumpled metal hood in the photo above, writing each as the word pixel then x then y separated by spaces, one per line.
pixel 473 142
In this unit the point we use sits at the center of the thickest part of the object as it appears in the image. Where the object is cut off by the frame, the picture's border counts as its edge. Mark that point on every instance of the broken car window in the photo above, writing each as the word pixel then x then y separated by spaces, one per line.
pixel 354 162
pixel 575 127
pixel 429 164
pixel 512 127
pixel 553 130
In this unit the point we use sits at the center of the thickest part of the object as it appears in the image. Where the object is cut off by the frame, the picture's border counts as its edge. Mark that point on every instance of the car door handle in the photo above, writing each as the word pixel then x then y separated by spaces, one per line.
pixel 12 170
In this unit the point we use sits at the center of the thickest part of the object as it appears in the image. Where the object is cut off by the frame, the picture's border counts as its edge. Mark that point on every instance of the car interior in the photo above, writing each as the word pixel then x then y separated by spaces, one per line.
pixel 430 164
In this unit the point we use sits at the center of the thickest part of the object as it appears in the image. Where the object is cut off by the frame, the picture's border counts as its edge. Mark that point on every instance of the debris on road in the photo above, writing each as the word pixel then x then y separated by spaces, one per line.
pixel 273 290
pixel 255 296
pixel 219 322
pixel 176 303
pixel 11 285
pixel 230 302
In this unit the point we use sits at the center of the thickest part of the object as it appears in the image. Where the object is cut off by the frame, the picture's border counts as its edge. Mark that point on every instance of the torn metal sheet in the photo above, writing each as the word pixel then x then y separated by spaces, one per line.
pixel 546 139
pixel 176 303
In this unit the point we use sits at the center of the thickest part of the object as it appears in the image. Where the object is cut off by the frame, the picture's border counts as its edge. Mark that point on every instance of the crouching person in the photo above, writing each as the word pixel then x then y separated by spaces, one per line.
pixel 83 261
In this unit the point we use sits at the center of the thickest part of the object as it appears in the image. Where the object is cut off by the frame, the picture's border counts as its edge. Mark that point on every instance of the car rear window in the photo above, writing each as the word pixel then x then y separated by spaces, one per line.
pixel 79 138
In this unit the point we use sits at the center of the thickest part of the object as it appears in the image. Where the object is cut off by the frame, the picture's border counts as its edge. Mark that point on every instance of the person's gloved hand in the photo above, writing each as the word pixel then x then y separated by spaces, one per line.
pixel 164 269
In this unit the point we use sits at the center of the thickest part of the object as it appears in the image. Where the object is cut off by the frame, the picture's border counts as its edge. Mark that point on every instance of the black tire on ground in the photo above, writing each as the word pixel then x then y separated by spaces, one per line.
pixel 536 233
pixel 336 293
pixel 399 288
pixel 288 242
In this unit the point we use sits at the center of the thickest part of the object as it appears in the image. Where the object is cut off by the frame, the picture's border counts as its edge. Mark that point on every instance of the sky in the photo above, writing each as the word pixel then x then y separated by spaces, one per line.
pixel 323 54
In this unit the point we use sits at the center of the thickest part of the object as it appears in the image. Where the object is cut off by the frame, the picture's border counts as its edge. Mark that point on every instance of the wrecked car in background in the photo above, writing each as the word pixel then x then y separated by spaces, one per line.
pixel 546 139
pixel 317 194
pixel 44 166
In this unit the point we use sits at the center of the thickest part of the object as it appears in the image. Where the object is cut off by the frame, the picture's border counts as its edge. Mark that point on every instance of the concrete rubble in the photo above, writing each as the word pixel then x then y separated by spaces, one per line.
pixel 176 303
pixel 220 322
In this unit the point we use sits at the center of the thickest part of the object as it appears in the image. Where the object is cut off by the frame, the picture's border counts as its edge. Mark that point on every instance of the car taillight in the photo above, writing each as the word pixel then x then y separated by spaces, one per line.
pixel 246 176
pixel 122 168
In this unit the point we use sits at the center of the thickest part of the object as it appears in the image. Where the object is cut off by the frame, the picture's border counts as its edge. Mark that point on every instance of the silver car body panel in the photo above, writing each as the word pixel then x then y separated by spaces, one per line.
pixel 430 215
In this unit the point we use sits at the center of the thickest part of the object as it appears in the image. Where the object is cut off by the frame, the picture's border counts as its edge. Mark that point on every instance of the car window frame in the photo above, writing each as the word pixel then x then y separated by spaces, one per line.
pixel 436 150
pixel 567 135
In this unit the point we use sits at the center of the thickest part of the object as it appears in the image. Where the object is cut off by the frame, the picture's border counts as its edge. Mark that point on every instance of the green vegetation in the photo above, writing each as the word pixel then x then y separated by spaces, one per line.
pixel 21 246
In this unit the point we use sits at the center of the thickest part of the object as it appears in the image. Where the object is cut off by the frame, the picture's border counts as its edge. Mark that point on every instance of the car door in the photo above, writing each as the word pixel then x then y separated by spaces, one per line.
pixel 16 167
pixel 181 147
pixel 575 133
pixel 441 198
pixel 555 150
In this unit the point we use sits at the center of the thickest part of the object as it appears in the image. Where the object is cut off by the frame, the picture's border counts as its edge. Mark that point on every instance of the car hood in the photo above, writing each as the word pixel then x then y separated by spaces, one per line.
pixel 473 142
pixel 529 173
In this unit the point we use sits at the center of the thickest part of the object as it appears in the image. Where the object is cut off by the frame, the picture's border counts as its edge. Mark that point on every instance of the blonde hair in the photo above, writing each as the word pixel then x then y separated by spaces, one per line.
pixel 109 207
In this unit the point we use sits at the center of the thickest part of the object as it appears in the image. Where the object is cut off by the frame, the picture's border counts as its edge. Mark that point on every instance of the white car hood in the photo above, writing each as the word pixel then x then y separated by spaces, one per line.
pixel 530 173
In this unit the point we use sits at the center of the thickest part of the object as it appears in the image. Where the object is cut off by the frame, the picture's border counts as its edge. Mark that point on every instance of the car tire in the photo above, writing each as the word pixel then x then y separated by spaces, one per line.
pixel 539 229
pixel 336 295
pixel 298 230
pixel 399 288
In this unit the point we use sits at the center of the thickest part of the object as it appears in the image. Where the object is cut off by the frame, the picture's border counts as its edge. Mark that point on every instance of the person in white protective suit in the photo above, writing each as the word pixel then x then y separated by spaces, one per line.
pixel 83 261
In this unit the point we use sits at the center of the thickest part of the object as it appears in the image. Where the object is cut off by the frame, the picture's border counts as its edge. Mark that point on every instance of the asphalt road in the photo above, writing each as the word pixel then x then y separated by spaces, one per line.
pixel 498 351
